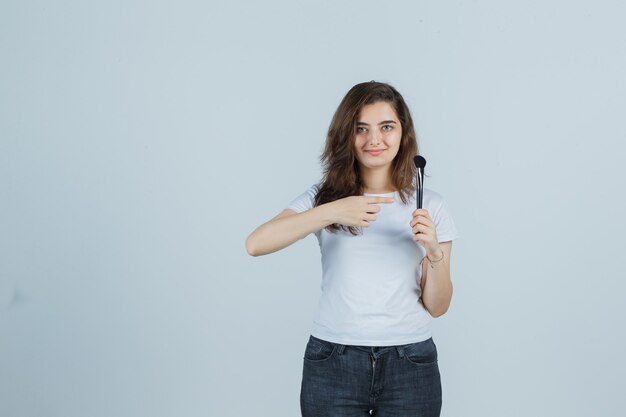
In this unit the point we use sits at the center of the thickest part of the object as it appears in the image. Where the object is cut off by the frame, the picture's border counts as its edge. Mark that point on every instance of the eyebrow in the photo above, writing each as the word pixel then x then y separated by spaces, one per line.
pixel 381 123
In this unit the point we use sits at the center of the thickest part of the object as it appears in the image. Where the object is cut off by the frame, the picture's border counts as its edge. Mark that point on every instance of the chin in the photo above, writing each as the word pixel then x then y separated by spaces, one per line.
pixel 381 164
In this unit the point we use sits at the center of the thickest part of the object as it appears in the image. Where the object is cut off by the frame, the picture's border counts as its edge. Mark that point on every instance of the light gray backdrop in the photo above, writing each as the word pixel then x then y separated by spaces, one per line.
pixel 141 142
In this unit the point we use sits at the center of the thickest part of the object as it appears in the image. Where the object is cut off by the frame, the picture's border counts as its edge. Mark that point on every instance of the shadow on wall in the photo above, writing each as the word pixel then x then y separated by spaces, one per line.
pixel 10 295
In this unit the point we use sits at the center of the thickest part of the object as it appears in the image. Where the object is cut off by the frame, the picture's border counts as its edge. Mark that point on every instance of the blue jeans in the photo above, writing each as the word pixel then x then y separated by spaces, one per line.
pixel 349 381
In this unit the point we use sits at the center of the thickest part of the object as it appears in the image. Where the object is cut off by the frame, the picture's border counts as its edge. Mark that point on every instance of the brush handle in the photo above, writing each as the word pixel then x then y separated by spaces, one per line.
pixel 419 187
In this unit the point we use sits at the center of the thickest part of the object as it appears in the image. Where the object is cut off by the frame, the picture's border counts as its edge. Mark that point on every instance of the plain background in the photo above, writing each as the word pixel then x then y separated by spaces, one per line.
pixel 141 143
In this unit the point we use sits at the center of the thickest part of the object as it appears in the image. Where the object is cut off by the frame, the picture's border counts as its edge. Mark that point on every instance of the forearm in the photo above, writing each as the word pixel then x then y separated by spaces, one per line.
pixel 277 234
pixel 437 292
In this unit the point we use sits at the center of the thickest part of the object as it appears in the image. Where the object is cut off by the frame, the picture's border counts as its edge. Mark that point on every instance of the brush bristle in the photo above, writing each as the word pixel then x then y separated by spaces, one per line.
pixel 419 161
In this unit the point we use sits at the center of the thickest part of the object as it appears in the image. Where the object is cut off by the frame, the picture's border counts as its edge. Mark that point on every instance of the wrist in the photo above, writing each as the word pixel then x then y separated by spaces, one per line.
pixel 434 253
pixel 435 256
pixel 326 212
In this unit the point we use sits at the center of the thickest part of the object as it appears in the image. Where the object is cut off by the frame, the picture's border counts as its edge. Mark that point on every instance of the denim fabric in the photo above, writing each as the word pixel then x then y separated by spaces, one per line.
pixel 350 381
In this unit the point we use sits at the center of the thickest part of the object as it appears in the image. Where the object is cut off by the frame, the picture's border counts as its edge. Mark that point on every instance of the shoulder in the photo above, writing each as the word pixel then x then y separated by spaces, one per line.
pixel 315 187
pixel 312 190
pixel 305 200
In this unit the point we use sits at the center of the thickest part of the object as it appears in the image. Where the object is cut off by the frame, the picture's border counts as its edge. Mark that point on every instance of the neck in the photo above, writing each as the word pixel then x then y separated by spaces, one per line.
pixel 377 181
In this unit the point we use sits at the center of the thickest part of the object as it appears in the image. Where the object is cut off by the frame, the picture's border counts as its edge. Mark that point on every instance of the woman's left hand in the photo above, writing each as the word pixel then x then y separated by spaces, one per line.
pixel 424 232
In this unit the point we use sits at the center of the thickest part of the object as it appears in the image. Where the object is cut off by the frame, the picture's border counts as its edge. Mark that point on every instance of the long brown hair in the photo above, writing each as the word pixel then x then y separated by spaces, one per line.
pixel 341 169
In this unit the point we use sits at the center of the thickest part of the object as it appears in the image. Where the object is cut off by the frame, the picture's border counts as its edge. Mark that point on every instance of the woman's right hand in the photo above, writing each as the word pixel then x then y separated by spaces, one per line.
pixel 357 210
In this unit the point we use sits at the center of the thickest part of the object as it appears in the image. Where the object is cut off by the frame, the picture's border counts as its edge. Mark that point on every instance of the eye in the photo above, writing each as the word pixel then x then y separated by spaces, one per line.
pixel 389 126
pixel 359 127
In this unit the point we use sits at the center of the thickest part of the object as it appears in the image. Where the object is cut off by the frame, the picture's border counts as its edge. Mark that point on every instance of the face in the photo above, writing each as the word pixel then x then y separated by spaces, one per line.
pixel 378 128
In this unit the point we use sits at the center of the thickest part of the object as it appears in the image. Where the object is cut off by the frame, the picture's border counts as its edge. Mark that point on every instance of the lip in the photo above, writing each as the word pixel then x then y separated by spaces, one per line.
pixel 375 152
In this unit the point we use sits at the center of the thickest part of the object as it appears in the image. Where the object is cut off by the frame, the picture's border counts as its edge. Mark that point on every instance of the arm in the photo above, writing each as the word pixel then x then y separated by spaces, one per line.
pixel 437 289
pixel 287 228
pixel 436 284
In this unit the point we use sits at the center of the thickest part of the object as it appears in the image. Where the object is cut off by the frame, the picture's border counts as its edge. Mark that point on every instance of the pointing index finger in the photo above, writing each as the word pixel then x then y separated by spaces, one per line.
pixel 380 200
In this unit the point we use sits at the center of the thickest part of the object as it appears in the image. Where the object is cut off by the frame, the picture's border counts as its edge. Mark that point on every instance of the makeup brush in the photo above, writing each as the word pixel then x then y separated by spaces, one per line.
pixel 420 163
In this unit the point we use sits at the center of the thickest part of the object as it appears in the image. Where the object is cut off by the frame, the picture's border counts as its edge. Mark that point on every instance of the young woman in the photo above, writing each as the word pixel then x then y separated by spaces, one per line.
pixel 386 265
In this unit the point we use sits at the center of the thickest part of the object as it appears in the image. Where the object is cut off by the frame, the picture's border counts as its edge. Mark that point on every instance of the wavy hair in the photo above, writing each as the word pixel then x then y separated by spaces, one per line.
pixel 341 169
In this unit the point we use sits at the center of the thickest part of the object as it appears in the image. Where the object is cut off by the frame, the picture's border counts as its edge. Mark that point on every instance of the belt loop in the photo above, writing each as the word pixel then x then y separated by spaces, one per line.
pixel 400 351
pixel 340 348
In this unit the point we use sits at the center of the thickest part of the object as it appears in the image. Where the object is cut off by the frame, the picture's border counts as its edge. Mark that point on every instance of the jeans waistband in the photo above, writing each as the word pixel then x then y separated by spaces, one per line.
pixel 375 351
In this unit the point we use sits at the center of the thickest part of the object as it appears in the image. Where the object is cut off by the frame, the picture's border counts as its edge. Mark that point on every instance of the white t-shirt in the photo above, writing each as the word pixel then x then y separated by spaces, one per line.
pixel 371 282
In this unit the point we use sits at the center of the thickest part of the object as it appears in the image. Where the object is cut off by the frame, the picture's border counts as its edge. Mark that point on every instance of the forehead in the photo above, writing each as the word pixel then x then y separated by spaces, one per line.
pixel 377 111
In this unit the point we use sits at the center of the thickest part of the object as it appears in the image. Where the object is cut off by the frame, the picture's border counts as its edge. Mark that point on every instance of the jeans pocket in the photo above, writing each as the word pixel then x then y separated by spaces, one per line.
pixel 318 350
pixel 421 353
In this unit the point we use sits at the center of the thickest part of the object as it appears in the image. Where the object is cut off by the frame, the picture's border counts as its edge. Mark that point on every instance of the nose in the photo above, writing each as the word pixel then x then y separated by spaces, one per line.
pixel 375 137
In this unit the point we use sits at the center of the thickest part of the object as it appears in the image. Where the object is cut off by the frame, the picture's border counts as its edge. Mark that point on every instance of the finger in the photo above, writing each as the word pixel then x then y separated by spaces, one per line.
pixel 420 228
pixel 379 200
pixel 420 238
pixel 421 212
pixel 417 213
pixel 424 231
pixel 422 220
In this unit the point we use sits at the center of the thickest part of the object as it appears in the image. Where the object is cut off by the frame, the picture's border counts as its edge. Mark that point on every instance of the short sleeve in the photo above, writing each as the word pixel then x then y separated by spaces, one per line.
pixel 305 200
pixel 446 229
